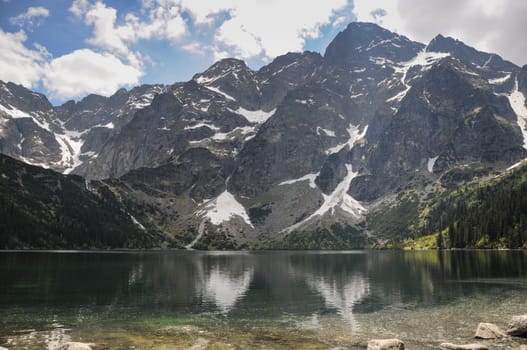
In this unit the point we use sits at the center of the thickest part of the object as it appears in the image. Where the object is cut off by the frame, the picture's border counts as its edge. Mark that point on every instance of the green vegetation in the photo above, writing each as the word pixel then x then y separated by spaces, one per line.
pixel 41 209
pixel 433 241
pixel 488 215
pixel 454 177
pixel 397 221
pixel 336 236
pixel 217 241
pixel 258 214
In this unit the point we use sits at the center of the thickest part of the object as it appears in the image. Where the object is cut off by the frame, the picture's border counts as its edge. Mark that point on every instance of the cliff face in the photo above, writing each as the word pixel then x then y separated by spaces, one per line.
pixel 306 142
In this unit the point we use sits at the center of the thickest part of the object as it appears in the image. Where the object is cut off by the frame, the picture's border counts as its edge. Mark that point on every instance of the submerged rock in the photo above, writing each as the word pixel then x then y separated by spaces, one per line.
pixel 2 348
pixel 473 346
pixel 489 331
pixel 200 344
pixel 385 344
pixel 74 346
pixel 518 326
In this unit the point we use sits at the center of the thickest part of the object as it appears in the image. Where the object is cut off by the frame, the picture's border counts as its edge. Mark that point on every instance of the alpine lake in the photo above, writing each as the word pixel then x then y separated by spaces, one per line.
pixel 257 300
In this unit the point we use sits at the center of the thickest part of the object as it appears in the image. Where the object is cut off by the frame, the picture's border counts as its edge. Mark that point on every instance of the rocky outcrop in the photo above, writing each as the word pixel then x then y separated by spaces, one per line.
pixel 518 326
pixel 385 344
pixel 489 331
pixel 473 346
pixel 75 346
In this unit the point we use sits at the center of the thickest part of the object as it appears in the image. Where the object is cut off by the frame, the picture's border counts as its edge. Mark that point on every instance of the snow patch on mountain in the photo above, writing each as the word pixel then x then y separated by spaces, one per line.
pixel 327 132
pixel 218 91
pixel 309 177
pixel 145 100
pixel 137 223
pixel 424 59
pixel 431 163
pixel 285 68
pixel 499 81
pixel 199 125
pixel 339 198
pixel 109 125
pixel 202 79
pixel 18 114
pixel 354 136
pixel 242 130
pixel 223 208
pixel 70 147
pixel 69 141
pixel 258 116
pixel 31 162
pixel 517 101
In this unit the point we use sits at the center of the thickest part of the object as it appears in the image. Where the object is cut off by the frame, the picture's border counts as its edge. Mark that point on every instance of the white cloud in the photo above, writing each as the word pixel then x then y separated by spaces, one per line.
pixel 271 28
pixel 18 63
pixel 85 71
pixel 163 22
pixel 219 54
pixel 195 48
pixel 105 35
pixel 205 11
pixel 31 18
pixel 339 21
pixel 492 25
pixel 79 7
pixel 247 29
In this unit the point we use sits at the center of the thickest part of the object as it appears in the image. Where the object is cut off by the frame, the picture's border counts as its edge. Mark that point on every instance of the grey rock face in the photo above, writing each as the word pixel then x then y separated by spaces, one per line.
pixel 518 326
pixel 453 116
pixel 63 137
pixel 305 140
pixel 360 42
pixel 487 65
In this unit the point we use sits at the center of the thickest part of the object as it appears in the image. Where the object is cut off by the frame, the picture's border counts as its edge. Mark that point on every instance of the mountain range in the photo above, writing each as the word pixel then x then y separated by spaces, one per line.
pixel 343 150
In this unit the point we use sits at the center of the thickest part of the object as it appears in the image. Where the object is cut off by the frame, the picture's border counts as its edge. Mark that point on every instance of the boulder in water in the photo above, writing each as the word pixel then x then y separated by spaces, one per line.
pixel 518 326
pixel 385 344
pixel 489 331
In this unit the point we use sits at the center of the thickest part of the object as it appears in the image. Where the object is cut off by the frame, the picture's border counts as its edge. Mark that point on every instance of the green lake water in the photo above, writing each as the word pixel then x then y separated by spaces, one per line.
pixel 257 300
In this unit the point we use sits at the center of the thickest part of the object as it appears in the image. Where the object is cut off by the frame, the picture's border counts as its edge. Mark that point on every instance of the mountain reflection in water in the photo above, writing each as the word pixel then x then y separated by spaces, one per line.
pixel 333 294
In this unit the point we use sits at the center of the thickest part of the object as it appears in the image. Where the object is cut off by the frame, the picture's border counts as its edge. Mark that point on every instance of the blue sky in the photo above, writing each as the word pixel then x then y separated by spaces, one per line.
pixel 69 48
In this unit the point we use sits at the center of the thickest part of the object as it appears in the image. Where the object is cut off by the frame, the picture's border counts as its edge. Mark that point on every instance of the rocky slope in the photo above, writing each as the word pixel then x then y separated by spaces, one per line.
pixel 40 208
pixel 63 137
pixel 236 156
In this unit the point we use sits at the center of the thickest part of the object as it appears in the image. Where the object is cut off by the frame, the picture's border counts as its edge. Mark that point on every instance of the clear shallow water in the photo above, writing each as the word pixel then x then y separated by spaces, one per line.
pixel 260 300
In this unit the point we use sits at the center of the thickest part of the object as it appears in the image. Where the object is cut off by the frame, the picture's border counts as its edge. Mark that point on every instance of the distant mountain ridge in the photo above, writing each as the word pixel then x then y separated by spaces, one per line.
pixel 237 156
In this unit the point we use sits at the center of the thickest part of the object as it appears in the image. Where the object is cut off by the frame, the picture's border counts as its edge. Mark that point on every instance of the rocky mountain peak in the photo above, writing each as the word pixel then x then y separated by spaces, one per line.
pixel 362 41
pixel 289 61
pixel 21 98
pixel 222 69
pixel 487 63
